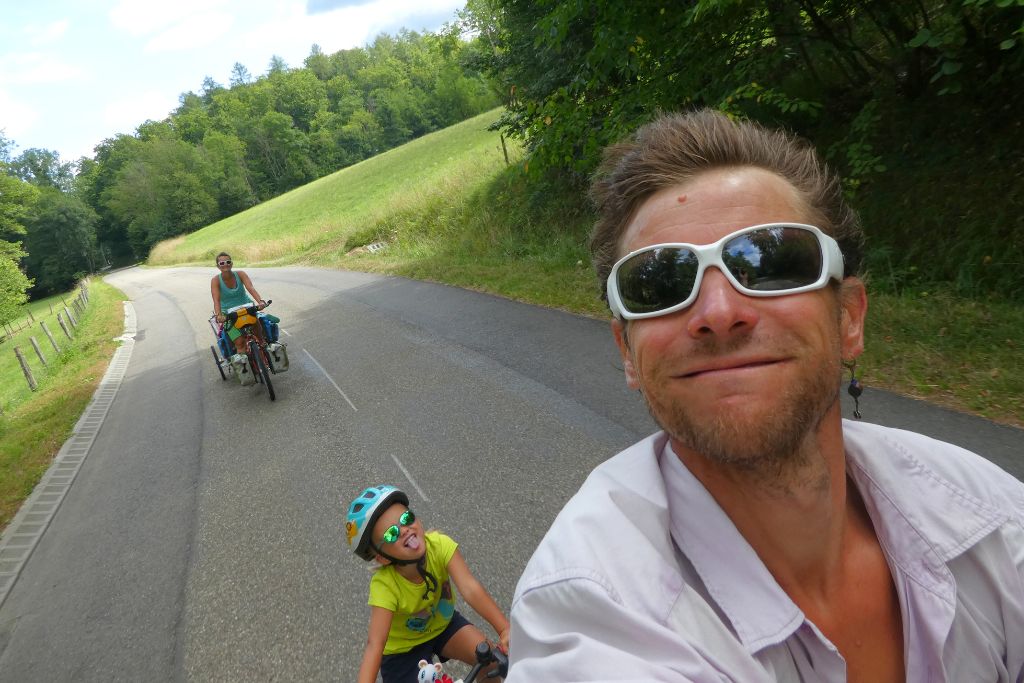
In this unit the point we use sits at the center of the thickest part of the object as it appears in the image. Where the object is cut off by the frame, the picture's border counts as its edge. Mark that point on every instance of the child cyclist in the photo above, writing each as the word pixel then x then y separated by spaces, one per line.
pixel 412 604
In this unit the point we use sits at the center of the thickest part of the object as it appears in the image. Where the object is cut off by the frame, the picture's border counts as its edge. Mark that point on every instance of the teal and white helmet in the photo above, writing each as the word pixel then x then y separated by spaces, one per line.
pixel 363 514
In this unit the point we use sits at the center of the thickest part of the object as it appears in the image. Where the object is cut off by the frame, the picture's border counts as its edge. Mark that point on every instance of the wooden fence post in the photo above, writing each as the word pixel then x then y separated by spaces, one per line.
pixel 74 323
pixel 63 325
pixel 39 351
pixel 42 324
pixel 30 317
pixel 26 369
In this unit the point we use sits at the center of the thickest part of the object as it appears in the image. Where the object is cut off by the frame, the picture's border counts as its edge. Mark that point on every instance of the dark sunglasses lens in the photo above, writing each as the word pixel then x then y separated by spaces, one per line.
pixel 657 279
pixel 774 259
pixel 407 518
pixel 391 534
pixel 223 263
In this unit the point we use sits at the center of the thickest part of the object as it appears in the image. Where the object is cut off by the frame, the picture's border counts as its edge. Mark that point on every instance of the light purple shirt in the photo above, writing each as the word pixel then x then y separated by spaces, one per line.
pixel 610 595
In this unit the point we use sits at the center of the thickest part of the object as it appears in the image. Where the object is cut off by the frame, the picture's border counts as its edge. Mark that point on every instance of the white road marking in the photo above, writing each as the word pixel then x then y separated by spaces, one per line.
pixel 287 333
pixel 330 379
pixel 409 477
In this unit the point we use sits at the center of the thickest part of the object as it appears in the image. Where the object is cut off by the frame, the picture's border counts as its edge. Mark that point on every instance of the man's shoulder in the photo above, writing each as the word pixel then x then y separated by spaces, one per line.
pixel 634 471
pixel 896 455
pixel 621 507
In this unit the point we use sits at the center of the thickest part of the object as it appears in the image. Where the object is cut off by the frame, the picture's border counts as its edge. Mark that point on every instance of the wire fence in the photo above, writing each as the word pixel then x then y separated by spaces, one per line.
pixel 43 351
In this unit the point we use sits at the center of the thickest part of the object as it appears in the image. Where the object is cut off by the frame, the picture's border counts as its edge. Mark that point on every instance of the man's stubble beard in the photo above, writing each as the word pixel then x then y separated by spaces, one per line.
pixel 777 438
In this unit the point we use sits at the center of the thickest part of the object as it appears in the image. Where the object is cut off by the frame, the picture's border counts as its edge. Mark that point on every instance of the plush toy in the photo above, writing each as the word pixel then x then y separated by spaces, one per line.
pixel 431 673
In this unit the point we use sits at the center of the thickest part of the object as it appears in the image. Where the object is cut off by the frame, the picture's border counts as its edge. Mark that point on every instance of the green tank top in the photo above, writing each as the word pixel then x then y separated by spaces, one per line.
pixel 229 298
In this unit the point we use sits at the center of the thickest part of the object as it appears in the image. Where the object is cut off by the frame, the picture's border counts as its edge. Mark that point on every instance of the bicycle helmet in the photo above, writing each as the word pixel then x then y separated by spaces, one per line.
pixel 363 514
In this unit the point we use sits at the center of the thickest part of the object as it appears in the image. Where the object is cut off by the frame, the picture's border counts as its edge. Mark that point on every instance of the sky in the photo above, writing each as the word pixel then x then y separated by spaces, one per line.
pixel 75 72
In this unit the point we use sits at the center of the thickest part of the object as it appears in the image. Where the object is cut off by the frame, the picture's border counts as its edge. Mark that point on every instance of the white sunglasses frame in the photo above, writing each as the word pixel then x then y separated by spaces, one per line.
pixel 711 255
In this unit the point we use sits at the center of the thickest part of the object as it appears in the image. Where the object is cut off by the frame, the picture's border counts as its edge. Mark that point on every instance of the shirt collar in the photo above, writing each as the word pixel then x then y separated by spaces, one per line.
pixel 922 520
pixel 760 612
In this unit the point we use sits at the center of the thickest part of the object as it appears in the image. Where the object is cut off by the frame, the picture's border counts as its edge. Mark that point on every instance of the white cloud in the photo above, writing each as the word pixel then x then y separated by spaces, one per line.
pixel 194 31
pixel 294 31
pixel 16 118
pixel 125 115
pixel 286 30
pixel 143 17
pixel 35 67
pixel 50 33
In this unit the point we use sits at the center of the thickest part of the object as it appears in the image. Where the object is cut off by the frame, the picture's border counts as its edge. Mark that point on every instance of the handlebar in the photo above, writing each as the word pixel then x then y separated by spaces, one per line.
pixel 251 309
pixel 485 655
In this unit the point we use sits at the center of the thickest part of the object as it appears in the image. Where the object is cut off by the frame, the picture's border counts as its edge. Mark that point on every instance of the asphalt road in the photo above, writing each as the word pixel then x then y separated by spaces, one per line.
pixel 203 538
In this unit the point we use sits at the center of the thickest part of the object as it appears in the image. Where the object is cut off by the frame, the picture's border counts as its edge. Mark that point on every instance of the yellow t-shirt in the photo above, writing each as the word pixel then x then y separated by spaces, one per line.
pixel 416 620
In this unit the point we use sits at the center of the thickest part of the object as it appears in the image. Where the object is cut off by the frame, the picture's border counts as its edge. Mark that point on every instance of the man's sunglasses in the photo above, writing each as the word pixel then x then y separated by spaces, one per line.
pixel 223 263
pixel 774 259
pixel 392 533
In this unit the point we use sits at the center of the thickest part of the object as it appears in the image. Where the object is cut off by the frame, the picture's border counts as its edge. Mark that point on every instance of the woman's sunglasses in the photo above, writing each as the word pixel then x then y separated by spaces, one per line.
pixel 774 259
pixel 392 533
pixel 223 263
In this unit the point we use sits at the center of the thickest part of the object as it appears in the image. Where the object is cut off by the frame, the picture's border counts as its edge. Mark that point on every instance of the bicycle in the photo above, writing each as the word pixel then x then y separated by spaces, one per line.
pixel 261 361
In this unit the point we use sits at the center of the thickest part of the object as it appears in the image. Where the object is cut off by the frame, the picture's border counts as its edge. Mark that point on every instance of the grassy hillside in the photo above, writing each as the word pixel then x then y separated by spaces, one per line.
pixel 451 210
pixel 321 216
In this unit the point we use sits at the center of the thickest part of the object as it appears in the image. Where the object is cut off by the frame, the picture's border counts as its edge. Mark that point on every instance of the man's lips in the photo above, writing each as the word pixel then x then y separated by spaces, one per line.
pixel 727 365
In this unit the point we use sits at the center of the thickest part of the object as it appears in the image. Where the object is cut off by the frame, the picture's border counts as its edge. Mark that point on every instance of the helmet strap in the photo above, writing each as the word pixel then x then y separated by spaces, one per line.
pixel 394 560
pixel 421 568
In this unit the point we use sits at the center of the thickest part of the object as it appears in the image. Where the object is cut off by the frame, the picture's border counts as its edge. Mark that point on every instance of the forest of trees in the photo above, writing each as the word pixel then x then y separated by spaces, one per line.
pixel 918 103
pixel 224 149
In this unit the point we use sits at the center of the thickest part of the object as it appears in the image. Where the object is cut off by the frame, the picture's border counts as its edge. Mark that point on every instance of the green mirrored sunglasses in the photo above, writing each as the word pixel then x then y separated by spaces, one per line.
pixel 392 533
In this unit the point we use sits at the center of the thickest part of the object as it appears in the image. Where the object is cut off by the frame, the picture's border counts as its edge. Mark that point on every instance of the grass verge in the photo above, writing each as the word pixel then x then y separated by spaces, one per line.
pixel 36 424
pixel 961 353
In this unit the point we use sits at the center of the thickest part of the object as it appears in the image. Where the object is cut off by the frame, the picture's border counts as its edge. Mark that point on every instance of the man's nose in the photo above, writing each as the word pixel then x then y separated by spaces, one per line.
pixel 720 309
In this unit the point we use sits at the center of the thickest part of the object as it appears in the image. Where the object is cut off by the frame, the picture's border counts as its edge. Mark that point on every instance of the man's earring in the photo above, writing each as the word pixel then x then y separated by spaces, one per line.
pixel 855 389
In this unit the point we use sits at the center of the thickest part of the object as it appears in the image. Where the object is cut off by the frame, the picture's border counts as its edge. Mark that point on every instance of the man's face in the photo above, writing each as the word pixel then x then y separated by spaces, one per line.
pixel 737 379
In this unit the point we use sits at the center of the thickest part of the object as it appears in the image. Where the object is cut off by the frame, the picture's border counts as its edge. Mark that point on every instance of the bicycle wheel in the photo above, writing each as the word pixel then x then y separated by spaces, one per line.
pixel 257 353
pixel 216 359
pixel 267 356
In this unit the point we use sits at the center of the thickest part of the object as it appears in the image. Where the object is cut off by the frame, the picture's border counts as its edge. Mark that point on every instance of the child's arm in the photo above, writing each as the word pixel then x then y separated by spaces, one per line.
pixel 380 625
pixel 478 598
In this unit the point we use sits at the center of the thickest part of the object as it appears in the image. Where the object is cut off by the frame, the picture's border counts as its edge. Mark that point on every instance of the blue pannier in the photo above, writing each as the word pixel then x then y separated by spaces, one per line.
pixel 270 327
pixel 227 349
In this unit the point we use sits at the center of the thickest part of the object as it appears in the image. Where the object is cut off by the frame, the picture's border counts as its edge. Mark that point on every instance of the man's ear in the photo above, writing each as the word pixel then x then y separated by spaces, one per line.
pixel 622 341
pixel 854 302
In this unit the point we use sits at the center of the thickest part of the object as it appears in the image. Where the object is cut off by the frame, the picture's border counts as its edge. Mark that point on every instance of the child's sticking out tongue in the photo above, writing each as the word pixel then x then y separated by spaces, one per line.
pixel 412 542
